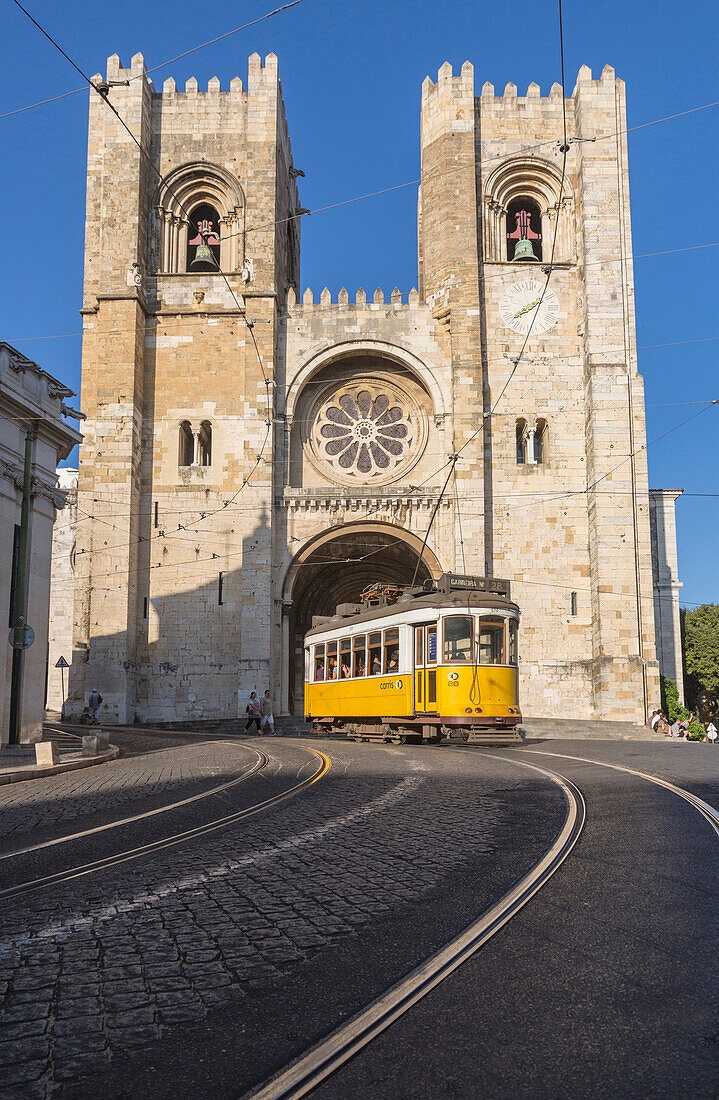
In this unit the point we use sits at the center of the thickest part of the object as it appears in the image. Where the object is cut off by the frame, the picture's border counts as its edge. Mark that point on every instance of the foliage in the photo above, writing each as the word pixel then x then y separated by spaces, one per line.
pixel 696 731
pixel 700 627
pixel 671 706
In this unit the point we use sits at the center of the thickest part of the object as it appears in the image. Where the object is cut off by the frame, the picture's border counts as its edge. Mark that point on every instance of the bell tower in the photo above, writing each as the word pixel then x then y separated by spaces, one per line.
pixel 191 244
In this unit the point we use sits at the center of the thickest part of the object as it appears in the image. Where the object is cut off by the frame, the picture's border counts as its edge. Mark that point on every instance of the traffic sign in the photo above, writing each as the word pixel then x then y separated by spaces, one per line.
pixel 21 637
pixel 61 663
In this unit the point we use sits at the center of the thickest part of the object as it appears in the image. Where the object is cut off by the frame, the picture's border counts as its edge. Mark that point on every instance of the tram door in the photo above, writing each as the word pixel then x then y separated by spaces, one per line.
pixel 425 668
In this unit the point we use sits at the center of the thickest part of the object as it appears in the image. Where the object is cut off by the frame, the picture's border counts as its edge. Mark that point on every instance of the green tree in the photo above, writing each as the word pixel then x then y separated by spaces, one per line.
pixel 671 706
pixel 701 657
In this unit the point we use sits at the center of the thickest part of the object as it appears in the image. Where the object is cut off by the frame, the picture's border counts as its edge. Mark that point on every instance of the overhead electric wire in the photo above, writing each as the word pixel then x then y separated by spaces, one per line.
pixel 162 65
pixel 248 324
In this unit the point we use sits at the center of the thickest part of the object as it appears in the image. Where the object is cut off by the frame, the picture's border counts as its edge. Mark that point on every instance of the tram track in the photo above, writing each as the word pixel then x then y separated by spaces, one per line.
pixel 317 1064
pixel 308 1071
pixel 173 839
pixel 261 762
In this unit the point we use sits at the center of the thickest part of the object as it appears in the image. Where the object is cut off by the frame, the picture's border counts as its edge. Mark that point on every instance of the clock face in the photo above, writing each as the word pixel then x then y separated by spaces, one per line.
pixel 521 309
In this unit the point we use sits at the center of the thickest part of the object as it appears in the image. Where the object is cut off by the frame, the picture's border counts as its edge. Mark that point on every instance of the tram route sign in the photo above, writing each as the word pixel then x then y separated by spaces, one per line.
pixel 449 582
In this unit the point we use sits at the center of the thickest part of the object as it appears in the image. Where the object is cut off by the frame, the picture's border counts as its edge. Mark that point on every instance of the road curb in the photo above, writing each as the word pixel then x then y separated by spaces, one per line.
pixel 32 771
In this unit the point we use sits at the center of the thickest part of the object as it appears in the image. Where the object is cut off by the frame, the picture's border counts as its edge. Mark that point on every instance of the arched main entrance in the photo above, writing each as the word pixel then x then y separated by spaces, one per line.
pixel 335 568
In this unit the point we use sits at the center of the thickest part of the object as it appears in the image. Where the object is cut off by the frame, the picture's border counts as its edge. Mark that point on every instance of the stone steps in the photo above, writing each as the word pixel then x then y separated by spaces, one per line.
pixel 583 730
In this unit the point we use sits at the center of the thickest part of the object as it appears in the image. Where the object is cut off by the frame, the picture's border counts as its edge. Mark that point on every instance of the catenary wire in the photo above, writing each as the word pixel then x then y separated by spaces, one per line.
pixel 163 64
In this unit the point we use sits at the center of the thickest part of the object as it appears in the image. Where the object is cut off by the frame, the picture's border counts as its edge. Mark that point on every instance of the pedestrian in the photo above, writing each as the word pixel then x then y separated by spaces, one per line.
pixel 711 733
pixel 93 706
pixel 253 712
pixel 267 722
pixel 654 720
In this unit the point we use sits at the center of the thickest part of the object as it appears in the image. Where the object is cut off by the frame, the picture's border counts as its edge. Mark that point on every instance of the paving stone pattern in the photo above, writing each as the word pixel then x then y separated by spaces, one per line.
pixel 158 774
pixel 102 965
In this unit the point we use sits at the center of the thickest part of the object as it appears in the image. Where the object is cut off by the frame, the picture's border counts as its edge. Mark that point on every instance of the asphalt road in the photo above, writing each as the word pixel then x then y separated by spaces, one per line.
pixel 203 967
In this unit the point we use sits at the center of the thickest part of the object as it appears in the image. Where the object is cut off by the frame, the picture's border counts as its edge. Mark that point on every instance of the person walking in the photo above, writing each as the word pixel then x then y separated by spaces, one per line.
pixel 93 706
pixel 253 712
pixel 267 722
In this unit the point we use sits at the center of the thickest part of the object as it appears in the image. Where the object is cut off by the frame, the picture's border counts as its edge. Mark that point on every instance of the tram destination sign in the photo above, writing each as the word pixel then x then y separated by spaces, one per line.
pixel 451 582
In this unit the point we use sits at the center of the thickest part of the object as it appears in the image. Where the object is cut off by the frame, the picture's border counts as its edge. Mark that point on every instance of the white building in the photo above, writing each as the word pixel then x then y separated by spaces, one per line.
pixel 31 400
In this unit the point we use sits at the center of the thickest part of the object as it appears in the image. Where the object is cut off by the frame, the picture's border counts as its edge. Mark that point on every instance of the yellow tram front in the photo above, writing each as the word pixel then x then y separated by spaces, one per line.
pixel 439 661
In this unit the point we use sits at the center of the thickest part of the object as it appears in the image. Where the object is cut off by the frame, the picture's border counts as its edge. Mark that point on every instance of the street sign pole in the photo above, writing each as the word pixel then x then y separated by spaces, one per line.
pixel 21 588
pixel 62 664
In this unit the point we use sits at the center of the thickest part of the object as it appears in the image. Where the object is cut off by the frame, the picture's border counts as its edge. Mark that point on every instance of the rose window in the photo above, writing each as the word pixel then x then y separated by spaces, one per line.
pixel 364 431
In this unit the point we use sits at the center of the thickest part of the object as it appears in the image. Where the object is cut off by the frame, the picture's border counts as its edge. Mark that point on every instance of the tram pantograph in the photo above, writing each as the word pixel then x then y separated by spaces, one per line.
pixel 420 664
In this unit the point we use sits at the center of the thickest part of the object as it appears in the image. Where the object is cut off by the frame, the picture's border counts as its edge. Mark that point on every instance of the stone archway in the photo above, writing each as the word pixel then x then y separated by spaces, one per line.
pixel 335 568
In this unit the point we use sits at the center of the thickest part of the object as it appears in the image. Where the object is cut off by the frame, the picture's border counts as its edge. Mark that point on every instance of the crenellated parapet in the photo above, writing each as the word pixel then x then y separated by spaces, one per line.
pixel 396 300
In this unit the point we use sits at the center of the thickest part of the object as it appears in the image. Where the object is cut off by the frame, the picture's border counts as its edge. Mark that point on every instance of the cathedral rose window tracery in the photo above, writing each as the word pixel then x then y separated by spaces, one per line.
pixel 371 430
pixel 365 431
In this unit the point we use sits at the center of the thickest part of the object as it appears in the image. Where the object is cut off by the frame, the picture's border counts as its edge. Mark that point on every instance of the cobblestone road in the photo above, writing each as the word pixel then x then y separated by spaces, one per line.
pixel 153 770
pixel 94 968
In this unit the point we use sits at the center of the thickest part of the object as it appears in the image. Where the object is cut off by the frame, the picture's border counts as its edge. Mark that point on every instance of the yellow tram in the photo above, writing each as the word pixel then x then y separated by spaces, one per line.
pixel 432 662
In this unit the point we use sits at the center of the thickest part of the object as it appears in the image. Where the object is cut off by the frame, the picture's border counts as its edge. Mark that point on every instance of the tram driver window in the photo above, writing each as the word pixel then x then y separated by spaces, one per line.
pixel 391 650
pixel 359 656
pixel 345 658
pixel 512 642
pixel 458 630
pixel 319 663
pixel 375 653
pixel 491 643
pixel 331 661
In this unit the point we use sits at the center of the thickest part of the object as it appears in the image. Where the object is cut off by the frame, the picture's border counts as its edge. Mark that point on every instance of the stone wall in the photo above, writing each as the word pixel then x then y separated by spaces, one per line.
pixel 331 422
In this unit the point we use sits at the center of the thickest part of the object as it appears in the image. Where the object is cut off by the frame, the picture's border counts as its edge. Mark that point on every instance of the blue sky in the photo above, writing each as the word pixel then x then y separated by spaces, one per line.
pixel 351 76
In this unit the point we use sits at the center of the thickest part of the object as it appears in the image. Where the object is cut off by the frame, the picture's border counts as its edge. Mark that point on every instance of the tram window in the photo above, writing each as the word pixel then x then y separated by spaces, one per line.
pixel 359 656
pixel 491 643
pixel 512 642
pixel 418 647
pixel 391 650
pixel 345 658
pixel 458 631
pixel 331 661
pixel 375 653
pixel 319 662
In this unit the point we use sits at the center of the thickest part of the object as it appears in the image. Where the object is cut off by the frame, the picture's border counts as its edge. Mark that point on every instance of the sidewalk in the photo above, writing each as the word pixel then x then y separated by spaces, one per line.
pixel 17 762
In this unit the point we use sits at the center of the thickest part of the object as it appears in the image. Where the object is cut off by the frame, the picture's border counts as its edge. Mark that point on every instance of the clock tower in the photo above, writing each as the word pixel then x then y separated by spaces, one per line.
pixel 524 251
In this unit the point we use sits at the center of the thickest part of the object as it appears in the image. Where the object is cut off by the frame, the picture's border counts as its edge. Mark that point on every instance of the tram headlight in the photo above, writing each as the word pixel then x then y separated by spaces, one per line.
pixel 467 710
pixel 478 710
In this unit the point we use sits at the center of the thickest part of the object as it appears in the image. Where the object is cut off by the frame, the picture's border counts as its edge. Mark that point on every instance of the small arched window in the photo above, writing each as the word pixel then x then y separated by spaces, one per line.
pixel 521 442
pixel 187 445
pixel 204 444
pixel 524 230
pixel 203 239
pixel 540 441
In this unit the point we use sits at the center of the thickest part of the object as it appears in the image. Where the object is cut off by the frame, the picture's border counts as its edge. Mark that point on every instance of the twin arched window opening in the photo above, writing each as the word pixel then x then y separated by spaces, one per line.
pixel 195 444
pixel 532 442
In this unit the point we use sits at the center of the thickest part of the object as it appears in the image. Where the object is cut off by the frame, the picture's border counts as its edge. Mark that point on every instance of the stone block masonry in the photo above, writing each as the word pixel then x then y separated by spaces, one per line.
pixel 319 430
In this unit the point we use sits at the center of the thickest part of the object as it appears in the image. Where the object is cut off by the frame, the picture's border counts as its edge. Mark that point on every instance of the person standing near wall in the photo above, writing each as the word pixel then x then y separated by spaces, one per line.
pixel 267 722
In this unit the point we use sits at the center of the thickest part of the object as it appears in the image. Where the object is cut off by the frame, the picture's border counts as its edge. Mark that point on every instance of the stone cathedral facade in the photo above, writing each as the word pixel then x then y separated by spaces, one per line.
pixel 255 454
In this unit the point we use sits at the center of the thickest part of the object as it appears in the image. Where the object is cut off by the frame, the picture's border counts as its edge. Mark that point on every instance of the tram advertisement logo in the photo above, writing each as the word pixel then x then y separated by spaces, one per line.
pixel 389 684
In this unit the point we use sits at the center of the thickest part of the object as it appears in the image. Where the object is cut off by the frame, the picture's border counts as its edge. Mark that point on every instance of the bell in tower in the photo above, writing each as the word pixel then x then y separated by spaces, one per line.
pixel 203 250
pixel 527 225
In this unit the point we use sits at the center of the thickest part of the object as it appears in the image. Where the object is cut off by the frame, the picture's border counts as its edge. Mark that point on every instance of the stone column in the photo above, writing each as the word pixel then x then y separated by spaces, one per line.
pixel 666 584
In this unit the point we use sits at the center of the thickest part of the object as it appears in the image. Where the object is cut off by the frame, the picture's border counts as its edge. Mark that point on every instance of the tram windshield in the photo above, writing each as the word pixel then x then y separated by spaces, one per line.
pixel 491 643
pixel 458 631
pixel 513 626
